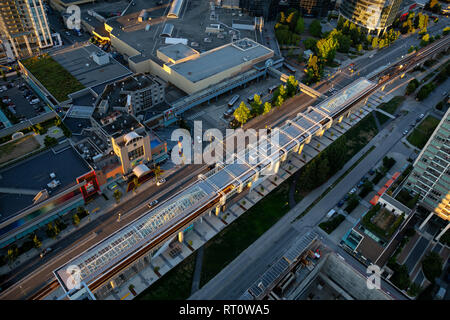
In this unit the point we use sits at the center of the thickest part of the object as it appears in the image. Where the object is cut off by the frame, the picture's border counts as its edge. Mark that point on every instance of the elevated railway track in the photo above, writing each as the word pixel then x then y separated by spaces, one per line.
pixel 227 180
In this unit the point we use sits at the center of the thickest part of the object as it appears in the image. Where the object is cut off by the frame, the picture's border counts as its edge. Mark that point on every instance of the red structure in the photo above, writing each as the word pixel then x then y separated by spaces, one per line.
pixel 91 187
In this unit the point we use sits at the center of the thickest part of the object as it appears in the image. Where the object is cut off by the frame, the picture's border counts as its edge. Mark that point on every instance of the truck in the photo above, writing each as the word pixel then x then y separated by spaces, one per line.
pixel 331 213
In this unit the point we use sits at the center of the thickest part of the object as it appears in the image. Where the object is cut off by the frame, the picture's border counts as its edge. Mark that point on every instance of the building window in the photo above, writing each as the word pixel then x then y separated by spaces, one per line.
pixel 136 153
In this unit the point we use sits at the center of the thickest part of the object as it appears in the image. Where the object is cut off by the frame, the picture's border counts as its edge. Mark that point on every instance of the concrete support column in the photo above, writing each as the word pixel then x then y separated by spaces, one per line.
pixel 443 231
pixel 340 119
pixel 426 221
pixel 256 176
pixel 180 236
pixel 300 149
pixel 277 166
pixel 383 87
pixel 217 210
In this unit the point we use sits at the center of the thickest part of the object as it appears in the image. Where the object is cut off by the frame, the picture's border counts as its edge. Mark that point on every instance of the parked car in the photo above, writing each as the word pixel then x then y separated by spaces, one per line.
pixel 353 190
pixel 152 204
pixel 371 172
pixel 45 251
pixel 160 181
pixel 360 183
pixel 341 203
pixel 405 132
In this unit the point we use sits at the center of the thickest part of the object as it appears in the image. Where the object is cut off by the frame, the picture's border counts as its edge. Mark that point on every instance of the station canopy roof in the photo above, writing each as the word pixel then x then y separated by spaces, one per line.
pixel 140 170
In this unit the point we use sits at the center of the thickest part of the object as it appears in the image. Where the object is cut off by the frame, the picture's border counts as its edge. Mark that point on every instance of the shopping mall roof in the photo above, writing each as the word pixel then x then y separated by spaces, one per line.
pixel 221 59
pixel 33 174
pixel 177 51
pixel 77 60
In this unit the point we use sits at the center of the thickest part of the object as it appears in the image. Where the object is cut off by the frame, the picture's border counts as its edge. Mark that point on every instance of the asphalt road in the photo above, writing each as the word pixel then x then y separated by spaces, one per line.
pixel 241 273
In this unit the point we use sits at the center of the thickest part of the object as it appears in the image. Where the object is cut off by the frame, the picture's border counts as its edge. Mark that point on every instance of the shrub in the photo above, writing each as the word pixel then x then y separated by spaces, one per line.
pixel 432 266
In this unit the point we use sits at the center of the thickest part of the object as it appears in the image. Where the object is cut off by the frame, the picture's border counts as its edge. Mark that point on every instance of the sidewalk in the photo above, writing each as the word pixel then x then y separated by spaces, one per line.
pixel 98 207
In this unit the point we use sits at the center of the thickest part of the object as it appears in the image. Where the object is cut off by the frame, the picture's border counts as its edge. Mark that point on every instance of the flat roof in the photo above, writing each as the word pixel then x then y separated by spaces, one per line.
pixel 177 51
pixel 78 62
pixel 220 59
pixel 34 174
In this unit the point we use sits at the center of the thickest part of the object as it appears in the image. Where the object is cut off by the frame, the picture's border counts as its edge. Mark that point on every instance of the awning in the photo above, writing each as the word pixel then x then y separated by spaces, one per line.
pixel 141 170
pixel 374 200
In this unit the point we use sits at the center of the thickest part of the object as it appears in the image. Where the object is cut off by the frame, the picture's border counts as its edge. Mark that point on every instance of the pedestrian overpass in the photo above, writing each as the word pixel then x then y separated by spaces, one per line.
pixel 303 87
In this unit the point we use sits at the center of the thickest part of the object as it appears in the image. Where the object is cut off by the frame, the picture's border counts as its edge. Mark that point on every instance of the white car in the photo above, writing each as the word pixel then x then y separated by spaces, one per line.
pixel 353 191
pixel 160 181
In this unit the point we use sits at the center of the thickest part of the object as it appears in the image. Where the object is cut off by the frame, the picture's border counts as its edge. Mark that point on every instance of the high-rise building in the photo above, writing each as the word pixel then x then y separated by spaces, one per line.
pixel 312 8
pixel 260 8
pixel 430 177
pixel 373 15
pixel 24 28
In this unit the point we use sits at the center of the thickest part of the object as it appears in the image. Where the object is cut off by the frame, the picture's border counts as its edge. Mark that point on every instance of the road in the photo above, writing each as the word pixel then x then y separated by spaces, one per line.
pixel 107 224
pixel 241 273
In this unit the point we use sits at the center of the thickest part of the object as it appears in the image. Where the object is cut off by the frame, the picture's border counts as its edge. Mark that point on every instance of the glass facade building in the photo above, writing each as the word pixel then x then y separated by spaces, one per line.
pixel 372 15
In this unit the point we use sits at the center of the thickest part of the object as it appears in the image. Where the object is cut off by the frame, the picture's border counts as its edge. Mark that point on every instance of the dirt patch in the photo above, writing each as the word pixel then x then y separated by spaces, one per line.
pixel 384 219
pixel 18 148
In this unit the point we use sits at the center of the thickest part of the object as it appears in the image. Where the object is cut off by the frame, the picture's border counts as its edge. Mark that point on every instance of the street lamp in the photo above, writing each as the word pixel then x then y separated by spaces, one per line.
pixel 118 218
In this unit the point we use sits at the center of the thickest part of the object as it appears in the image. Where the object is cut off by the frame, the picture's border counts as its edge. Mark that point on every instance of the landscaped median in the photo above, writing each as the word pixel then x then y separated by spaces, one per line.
pixel 423 132
pixel 57 80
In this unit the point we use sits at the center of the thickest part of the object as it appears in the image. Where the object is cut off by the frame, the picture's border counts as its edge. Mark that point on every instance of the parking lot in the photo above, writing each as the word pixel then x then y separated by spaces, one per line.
pixel 20 100
pixel 213 115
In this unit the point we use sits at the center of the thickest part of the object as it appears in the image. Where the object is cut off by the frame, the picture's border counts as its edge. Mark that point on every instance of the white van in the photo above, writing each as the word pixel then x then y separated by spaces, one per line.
pixel 331 213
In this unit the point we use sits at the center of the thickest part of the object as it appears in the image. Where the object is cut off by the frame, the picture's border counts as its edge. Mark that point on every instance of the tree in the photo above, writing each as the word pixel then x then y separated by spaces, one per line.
pixel 310 44
pixel 36 242
pixel 375 42
pixel 291 86
pixel 315 28
pixel 157 172
pixel 432 266
pixel 326 48
pixel 279 102
pixel 400 277
pixel 425 40
pixel 267 107
pixel 340 23
pixel 12 253
pixel 75 219
pixel 242 113
pixel 117 195
pixel 300 26
pixel 135 183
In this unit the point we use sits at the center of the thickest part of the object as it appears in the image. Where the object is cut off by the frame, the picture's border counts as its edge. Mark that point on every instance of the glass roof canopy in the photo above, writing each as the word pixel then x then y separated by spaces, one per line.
pixel 102 256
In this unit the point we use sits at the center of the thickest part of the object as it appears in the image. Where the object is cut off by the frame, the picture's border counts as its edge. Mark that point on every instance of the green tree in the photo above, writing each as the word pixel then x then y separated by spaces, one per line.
pixel 267 107
pixel 326 48
pixel 291 86
pixel 432 266
pixel 117 195
pixel 315 28
pixel 279 102
pixel 375 42
pixel 300 26
pixel 135 183
pixel 36 242
pixel 12 253
pixel 310 44
pixel 75 219
pixel 242 113
pixel 400 277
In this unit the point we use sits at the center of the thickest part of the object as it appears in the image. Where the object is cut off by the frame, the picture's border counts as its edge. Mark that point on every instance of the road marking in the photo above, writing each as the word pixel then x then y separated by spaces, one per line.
pixel 125 296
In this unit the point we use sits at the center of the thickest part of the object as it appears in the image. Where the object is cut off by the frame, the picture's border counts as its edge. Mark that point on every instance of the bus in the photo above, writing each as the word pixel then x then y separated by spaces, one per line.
pixel 233 101
pixel 290 68
pixel 273 88
pixel 252 97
